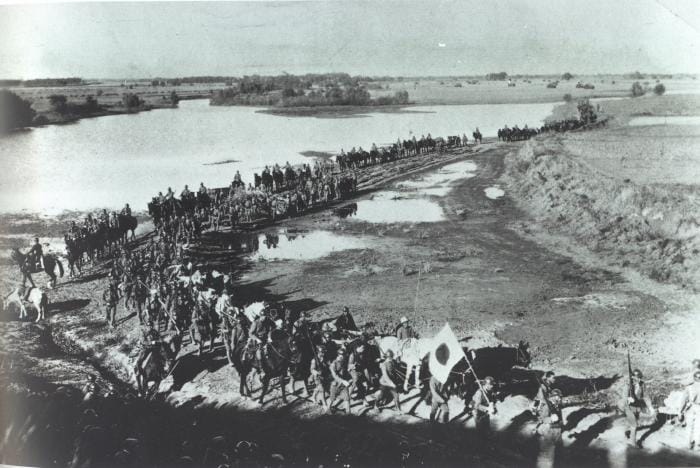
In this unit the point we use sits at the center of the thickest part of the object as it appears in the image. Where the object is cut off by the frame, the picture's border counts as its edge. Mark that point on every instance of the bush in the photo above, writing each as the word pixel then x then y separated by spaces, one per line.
pixel 131 100
pixel 659 89
pixel 15 112
pixel 567 76
pixel 568 98
pixel 58 103
pixel 637 89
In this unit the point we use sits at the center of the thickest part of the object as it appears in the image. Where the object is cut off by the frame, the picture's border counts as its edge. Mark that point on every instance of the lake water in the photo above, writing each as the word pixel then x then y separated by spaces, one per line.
pixel 108 161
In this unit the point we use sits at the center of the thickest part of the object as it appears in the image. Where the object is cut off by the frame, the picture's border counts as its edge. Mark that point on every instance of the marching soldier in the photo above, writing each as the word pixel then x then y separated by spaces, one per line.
pixel 387 386
pixel 111 298
pixel 340 386
pixel 438 401
pixel 483 406
pixel 637 402
pixel 690 411
pixel 90 390
pixel 321 374
pixel 549 427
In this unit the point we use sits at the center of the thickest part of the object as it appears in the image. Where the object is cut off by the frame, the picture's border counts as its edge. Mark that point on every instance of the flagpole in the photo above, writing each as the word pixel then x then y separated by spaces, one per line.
pixel 478 382
pixel 415 299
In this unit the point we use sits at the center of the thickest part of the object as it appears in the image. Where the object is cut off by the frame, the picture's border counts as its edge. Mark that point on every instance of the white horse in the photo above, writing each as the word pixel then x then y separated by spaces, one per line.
pixel 37 297
pixel 411 352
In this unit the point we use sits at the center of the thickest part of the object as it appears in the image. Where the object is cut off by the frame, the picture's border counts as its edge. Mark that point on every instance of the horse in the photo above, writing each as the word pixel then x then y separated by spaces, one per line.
pixel 158 363
pixel 37 297
pixel 275 362
pixel 411 352
pixel 74 254
pixel 491 361
pixel 127 223
pixel 50 262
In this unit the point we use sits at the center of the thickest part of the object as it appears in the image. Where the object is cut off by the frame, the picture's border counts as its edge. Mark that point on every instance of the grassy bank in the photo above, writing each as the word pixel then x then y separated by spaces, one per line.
pixel 651 228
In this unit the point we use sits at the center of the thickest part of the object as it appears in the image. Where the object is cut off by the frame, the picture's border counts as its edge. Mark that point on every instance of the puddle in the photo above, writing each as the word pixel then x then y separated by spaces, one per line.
pixel 300 246
pixel 398 207
pixel 438 183
pixel 494 193
pixel 410 200
pixel 670 120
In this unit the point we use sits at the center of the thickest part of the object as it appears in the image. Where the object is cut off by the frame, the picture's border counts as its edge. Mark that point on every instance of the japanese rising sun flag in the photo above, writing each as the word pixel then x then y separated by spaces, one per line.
pixel 445 354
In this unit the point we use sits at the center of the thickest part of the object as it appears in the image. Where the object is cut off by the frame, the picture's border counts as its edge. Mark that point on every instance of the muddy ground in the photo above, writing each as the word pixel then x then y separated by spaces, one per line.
pixel 485 268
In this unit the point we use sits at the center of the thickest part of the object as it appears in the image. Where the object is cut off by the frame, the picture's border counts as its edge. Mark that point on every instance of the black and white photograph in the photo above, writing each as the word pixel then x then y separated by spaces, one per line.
pixel 347 234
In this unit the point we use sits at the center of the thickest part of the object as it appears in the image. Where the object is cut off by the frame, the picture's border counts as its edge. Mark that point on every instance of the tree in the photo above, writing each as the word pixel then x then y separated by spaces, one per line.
pixel 637 89
pixel 500 76
pixel 58 103
pixel 91 103
pixel 131 100
pixel 568 98
pixel 567 76
pixel 401 97
pixel 15 112
pixel 586 111
pixel 659 89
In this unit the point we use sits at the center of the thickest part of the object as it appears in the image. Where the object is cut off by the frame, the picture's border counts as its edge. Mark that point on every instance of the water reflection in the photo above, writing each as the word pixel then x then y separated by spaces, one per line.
pixel 398 207
pixel 301 245
pixel 410 201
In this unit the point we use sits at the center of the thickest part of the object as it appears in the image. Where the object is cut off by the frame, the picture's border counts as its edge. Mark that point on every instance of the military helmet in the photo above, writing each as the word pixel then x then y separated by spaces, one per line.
pixel 637 374
pixel 489 380
pixel 696 376
pixel 555 393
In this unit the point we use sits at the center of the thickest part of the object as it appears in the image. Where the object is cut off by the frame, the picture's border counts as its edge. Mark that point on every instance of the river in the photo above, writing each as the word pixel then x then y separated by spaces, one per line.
pixel 108 161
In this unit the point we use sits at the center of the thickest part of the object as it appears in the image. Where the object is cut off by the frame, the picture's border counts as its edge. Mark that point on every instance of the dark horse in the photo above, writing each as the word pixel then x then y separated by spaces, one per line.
pixel 276 360
pixel 127 223
pixel 50 263
pixel 158 364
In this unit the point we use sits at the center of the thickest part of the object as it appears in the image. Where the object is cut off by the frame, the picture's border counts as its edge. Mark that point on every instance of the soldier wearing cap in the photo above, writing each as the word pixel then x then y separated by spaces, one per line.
pixel 346 323
pixel 483 406
pixel 637 401
pixel 340 386
pixel 321 374
pixel 549 427
pixel 405 331
pixel 387 385
pixel 90 390
pixel 690 411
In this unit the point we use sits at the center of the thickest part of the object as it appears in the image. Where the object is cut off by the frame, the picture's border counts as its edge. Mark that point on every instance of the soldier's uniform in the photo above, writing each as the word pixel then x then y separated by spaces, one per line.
pixel 111 298
pixel 549 427
pixel 438 401
pixel 691 411
pixel 340 387
pixel 483 406
pixel 637 402
pixel 150 341
pixel 321 374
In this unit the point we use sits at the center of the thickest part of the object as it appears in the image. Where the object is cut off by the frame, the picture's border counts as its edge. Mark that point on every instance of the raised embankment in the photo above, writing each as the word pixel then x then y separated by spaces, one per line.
pixel 650 228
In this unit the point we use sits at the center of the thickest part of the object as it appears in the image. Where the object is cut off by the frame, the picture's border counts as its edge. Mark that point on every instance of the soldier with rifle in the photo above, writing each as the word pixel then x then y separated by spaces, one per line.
pixel 637 401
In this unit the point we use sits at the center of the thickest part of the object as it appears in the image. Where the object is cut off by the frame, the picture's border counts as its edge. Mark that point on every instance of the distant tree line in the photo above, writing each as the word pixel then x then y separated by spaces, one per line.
pixel 311 90
pixel 500 76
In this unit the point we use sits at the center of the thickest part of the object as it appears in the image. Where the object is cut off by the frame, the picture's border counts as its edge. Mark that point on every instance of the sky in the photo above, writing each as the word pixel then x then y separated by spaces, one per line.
pixel 384 37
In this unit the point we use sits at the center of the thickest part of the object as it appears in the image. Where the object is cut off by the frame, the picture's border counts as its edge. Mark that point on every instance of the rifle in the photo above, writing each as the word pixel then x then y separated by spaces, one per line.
pixel 630 392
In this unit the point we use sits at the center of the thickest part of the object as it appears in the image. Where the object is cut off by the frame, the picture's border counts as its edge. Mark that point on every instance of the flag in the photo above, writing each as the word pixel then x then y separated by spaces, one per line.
pixel 445 354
